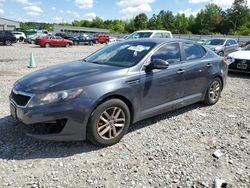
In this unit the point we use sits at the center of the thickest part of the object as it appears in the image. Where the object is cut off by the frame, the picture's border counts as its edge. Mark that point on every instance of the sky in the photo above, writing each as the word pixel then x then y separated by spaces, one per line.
pixel 58 11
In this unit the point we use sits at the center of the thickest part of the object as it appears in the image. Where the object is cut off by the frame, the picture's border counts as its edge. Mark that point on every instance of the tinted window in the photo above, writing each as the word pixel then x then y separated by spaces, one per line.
pixel 247 48
pixel 166 35
pixel 215 42
pixel 138 35
pixel 232 42
pixel 169 52
pixel 193 51
pixel 158 35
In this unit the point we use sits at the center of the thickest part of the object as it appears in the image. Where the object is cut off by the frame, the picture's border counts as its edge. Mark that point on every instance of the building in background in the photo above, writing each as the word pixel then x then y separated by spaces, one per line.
pixel 73 29
pixel 9 25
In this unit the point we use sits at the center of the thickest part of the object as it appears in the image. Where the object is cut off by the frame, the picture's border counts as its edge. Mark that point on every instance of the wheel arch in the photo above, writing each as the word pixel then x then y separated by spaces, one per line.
pixel 120 97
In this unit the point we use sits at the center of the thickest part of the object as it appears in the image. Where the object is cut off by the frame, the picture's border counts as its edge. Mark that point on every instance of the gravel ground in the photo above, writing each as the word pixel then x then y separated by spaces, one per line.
pixel 170 150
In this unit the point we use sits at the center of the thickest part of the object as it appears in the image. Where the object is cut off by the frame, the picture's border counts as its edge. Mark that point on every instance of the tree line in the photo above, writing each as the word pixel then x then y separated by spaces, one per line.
pixel 212 19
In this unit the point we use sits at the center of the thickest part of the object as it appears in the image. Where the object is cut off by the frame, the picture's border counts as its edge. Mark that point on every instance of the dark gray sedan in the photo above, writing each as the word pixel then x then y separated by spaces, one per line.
pixel 99 97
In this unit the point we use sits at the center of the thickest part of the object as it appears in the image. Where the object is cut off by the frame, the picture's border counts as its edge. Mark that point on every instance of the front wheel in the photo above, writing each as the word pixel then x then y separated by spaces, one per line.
pixel 213 92
pixel 47 45
pixel 221 53
pixel 108 123
pixel 8 43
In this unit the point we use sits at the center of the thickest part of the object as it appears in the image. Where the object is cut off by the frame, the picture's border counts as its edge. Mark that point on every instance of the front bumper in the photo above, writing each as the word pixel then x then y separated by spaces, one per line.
pixel 74 114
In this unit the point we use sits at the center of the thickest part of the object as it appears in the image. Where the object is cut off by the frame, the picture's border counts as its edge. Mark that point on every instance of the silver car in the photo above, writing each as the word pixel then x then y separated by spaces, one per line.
pixel 222 46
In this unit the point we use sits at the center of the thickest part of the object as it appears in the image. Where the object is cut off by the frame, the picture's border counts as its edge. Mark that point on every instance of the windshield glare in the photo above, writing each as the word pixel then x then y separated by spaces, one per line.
pixel 122 54
pixel 215 42
pixel 138 35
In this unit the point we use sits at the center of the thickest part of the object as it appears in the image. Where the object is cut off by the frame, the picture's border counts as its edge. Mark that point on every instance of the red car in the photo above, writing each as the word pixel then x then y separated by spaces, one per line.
pixel 53 41
pixel 102 39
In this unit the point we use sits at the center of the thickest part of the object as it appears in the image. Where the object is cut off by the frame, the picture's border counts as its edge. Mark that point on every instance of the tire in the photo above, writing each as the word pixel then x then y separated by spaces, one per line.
pixel 67 45
pixel 108 123
pixel 8 43
pixel 91 43
pixel 106 41
pixel 47 45
pixel 76 43
pixel 221 53
pixel 21 39
pixel 213 92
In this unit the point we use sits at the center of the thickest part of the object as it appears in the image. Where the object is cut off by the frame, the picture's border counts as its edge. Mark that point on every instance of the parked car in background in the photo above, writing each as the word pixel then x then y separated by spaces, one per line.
pixel 150 34
pixel 32 38
pixel 112 39
pixel 84 39
pixel 99 97
pixel 53 41
pixel 20 36
pixel 7 38
pixel 102 39
pixel 240 60
pixel 222 46
pixel 65 36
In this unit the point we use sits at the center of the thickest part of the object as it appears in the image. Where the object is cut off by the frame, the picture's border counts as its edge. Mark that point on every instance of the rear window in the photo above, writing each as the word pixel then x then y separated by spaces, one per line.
pixel 194 51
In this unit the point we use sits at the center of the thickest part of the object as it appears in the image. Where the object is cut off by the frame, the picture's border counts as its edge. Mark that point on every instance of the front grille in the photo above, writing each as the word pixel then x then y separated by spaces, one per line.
pixel 239 61
pixel 19 99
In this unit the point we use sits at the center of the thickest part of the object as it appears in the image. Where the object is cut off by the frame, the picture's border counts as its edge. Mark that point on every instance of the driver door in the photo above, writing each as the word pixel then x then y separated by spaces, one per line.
pixel 163 89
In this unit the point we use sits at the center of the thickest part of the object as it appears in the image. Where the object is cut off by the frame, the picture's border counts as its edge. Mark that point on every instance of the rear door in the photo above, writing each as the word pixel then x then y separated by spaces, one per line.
pixel 198 69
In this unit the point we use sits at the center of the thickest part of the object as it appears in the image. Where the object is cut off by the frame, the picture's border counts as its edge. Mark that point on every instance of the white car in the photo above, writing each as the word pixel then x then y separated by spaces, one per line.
pixel 240 60
pixel 20 36
pixel 150 34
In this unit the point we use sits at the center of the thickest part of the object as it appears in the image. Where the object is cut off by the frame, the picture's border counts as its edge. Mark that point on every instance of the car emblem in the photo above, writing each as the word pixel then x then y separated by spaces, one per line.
pixel 243 61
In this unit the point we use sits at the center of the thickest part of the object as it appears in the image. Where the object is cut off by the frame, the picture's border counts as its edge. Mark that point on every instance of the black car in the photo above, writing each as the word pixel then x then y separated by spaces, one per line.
pixel 7 38
pixel 100 96
pixel 85 39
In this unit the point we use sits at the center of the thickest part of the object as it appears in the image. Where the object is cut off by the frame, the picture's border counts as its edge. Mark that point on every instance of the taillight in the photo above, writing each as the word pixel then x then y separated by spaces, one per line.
pixel 224 61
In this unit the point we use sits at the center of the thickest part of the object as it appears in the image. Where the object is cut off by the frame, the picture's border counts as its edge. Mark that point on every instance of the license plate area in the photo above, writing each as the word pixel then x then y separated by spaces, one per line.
pixel 241 66
pixel 13 111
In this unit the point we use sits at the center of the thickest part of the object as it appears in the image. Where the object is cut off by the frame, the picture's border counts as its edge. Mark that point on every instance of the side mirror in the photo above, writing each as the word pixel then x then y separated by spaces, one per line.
pixel 157 64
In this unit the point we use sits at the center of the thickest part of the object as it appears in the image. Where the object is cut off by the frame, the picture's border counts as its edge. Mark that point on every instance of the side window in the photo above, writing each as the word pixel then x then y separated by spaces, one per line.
pixel 166 35
pixel 158 35
pixel 193 51
pixel 168 52
pixel 228 43
pixel 232 42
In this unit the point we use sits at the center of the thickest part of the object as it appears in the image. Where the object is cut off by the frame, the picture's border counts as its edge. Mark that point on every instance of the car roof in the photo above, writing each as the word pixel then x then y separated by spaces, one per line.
pixel 152 31
pixel 159 40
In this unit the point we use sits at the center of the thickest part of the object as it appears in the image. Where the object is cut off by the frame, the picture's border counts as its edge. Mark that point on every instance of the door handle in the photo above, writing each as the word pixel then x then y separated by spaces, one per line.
pixel 209 65
pixel 180 71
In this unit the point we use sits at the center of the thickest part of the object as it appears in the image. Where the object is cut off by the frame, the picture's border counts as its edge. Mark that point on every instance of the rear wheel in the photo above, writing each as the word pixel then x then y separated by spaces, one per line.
pixel 108 123
pixel 221 53
pixel 213 92
pixel 8 43
pixel 76 43
pixel 47 45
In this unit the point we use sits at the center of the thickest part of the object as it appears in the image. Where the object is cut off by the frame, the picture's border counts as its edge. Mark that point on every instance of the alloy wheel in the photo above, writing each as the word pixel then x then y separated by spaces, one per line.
pixel 214 91
pixel 111 123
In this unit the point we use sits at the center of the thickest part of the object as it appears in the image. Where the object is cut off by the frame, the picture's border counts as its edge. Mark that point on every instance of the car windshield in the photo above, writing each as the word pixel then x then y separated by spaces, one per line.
pixel 138 35
pixel 215 42
pixel 124 54
pixel 247 48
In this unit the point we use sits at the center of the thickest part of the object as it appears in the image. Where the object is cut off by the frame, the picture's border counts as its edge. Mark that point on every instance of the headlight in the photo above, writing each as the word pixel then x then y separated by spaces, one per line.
pixel 48 98
pixel 230 59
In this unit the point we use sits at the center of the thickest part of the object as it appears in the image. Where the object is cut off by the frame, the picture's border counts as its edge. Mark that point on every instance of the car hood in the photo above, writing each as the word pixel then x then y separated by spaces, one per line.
pixel 243 54
pixel 67 76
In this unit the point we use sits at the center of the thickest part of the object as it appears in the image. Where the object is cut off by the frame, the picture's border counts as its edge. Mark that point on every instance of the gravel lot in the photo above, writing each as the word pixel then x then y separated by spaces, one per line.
pixel 171 150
